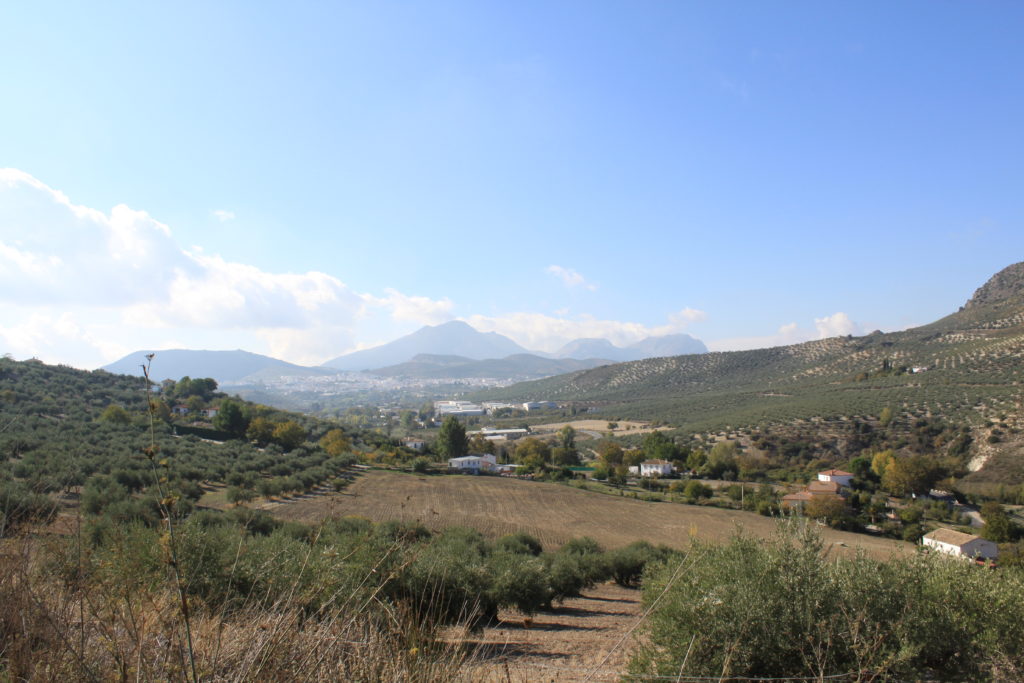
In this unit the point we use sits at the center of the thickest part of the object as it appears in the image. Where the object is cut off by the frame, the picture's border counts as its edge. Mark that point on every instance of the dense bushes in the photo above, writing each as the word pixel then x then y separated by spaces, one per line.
pixel 782 609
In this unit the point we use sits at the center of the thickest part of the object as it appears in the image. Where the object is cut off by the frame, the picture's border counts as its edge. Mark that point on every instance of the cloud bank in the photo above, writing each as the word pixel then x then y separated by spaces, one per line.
pixel 72 275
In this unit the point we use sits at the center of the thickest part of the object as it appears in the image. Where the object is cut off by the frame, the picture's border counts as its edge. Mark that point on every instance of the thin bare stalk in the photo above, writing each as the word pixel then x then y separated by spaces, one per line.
pixel 151 452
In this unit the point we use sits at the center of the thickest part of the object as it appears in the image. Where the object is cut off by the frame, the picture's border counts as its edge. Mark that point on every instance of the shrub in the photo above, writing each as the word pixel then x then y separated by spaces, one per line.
pixel 521 543
pixel 780 609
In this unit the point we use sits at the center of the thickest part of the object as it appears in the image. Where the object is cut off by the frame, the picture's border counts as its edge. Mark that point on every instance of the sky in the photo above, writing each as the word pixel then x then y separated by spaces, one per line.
pixel 305 179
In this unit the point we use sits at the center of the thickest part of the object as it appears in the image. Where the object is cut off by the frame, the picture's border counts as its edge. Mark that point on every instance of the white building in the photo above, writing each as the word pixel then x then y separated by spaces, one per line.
pixel 838 476
pixel 539 405
pixel 959 544
pixel 499 434
pixel 457 408
pixel 414 443
pixel 652 468
pixel 473 464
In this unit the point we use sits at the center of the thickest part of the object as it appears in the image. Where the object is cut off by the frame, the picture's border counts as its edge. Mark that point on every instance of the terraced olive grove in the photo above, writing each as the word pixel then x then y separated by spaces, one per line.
pixel 965 366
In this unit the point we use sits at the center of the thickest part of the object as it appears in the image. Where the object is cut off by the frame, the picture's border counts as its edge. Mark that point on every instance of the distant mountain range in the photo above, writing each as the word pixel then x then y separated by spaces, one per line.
pixel 516 366
pixel 454 338
pixel 451 350
pixel 457 338
pixel 224 366
pixel 651 347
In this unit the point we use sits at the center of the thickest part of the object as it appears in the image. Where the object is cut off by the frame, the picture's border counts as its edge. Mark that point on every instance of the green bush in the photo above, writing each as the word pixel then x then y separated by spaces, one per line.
pixel 781 609
pixel 521 543
pixel 627 564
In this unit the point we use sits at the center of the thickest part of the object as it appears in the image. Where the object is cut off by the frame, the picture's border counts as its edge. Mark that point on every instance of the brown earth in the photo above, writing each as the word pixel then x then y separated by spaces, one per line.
pixel 551 512
pixel 586 638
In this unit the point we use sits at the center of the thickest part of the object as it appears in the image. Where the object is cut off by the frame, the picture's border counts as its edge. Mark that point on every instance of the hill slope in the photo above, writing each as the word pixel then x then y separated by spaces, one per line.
pixel 967 361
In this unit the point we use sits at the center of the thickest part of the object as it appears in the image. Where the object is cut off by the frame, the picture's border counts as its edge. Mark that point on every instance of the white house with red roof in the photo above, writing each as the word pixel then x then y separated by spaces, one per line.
pixel 838 476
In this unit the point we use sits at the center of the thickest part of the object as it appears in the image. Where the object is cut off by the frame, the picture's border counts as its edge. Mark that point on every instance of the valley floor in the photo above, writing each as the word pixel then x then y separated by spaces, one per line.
pixel 553 513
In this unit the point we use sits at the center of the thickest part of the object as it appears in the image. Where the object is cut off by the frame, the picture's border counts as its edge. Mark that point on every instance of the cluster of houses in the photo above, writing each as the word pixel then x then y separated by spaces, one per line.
pixel 833 483
pixel 830 483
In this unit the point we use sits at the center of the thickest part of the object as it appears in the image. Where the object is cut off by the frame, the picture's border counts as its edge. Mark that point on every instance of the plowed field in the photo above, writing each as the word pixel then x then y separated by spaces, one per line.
pixel 553 513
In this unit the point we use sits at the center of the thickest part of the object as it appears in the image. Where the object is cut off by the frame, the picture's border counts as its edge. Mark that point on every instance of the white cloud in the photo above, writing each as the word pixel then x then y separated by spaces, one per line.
pixel 64 266
pixel 836 325
pixel 419 309
pixel 56 338
pixel 785 335
pixel 549 333
pixel 570 278
pixel 224 216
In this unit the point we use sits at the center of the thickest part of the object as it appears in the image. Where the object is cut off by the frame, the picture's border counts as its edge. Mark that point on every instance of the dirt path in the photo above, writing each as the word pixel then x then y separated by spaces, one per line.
pixel 584 638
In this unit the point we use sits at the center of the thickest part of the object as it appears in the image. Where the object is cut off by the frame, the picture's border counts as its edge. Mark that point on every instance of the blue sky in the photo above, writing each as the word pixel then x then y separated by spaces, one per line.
pixel 304 179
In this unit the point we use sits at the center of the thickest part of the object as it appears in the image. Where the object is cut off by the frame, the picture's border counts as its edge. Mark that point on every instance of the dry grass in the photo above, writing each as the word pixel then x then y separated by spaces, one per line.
pixel 54 627
pixel 553 513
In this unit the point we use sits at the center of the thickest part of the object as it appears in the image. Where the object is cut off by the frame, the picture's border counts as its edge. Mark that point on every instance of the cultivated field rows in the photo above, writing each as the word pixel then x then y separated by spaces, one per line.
pixel 553 513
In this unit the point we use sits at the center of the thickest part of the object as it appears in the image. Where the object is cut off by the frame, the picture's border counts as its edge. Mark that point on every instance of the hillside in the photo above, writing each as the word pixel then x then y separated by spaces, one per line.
pixel 967 362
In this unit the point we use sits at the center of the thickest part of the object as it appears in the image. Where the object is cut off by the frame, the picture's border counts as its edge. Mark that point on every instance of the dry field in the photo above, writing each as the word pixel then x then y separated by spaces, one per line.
pixel 600 426
pixel 553 513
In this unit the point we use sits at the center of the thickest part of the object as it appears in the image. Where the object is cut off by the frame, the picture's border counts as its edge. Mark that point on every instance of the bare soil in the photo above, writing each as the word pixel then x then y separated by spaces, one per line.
pixel 587 638
pixel 553 513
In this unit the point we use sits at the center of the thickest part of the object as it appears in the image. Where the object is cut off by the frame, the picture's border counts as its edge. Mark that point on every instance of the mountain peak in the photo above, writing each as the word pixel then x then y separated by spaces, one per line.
pixel 1006 285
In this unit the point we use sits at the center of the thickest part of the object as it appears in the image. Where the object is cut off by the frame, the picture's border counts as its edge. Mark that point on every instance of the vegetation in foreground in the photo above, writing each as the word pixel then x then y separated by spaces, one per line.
pixel 266 600
pixel 786 609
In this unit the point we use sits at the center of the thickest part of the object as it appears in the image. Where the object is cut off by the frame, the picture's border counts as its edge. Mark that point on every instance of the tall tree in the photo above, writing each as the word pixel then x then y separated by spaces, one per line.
pixel 231 419
pixel 451 440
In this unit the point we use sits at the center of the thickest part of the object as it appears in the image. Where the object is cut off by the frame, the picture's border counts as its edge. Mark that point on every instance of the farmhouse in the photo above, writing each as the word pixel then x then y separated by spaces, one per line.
pixel 473 464
pixel 959 544
pixel 651 468
pixel 838 476
pixel 814 489
pixel 414 443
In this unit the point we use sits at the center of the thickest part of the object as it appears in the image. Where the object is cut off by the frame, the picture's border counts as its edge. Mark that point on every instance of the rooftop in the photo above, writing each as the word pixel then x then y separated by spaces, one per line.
pixel 951 536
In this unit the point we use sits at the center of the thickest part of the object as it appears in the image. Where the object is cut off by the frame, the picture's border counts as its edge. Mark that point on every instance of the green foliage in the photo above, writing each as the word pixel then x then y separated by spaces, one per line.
pixel 231 419
pixel 451 439
pixel 998 526
pixel 781 609
pixel 521 543
pixel 289 435
pixel 115 414
pixel 627 564
pixel 20 506
pixel 657 446
pixel 694 491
